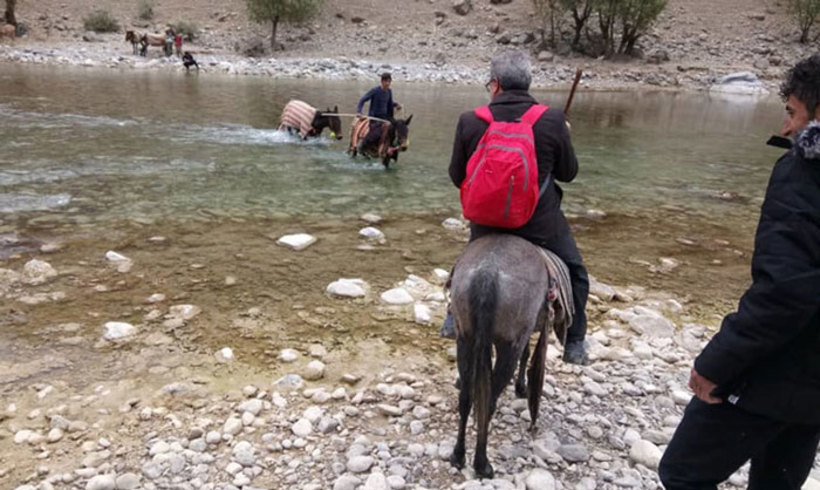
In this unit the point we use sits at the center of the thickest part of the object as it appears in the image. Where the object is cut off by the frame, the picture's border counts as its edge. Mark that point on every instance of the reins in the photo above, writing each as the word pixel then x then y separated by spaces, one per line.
pixel 353 115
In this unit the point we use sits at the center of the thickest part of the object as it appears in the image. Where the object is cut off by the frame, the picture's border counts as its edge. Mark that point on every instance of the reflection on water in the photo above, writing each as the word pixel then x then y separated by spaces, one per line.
pixel 153 145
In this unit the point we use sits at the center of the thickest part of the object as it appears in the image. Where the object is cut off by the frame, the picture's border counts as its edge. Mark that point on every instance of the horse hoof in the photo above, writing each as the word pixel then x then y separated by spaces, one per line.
pixel 521 390
pixel 484 472
pixel 457 460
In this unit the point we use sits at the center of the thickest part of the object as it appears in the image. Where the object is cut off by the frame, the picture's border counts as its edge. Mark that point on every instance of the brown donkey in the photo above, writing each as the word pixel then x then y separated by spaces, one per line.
pixel 500 293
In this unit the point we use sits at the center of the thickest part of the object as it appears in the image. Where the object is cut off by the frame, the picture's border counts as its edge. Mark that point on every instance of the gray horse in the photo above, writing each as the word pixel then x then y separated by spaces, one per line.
pixel 499 296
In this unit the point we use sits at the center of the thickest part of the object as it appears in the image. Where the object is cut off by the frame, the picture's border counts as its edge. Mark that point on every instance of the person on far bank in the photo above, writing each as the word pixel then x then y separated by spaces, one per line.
pixel 510 78
pixel 757 381
pixel 188 61
pixel 382 106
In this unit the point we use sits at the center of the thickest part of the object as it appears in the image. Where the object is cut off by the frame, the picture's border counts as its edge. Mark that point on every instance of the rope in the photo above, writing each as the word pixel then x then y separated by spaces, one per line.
pixel 354 115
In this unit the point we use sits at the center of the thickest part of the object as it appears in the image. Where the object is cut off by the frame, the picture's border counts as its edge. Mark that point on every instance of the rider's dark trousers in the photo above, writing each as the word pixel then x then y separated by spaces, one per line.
pixel 713 441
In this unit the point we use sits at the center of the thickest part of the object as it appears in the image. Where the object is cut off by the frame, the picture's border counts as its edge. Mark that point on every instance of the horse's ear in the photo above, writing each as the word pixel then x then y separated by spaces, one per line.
pixel 407 122
pixel 336 109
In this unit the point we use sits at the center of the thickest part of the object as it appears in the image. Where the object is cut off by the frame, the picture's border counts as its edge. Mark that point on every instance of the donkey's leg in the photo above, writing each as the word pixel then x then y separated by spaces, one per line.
pixel 465 370
pixel 521 382
pixel 536 376
pixel 503 371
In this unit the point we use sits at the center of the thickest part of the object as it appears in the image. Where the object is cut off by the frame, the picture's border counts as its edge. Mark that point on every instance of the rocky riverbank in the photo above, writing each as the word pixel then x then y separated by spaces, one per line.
pixel 141 362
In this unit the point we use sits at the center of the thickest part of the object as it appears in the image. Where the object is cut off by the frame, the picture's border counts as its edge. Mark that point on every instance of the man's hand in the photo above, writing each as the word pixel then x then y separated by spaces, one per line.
pixel 703 388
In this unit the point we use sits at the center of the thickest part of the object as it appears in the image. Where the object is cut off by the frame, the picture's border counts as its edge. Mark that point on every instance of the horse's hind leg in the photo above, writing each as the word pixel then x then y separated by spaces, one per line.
pixel 465 369
pixel 521 382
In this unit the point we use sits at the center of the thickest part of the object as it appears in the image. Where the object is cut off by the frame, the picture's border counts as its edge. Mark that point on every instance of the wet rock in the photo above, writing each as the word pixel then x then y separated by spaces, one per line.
pixel 453 224
pixel 371 218
pixel 742 83
pixel 297 242
pixel 371 233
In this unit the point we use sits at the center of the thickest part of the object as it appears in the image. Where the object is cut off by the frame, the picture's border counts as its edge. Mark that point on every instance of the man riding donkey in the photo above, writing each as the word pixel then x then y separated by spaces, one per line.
pixel 380 113
pixel 500 190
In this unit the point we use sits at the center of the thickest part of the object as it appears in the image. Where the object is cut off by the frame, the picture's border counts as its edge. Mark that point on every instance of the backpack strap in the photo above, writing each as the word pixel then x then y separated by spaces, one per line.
pixel 533 114
pixel 484 114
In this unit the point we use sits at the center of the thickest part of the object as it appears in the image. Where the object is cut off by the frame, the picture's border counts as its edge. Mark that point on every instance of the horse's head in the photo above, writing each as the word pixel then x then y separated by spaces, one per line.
pixel 130 37
pixel 400 134
pixel 334 123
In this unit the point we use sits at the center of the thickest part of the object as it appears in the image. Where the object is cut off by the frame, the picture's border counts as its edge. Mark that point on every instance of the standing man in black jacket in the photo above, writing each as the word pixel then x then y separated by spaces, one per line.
pixel 757 382
pixel 510 78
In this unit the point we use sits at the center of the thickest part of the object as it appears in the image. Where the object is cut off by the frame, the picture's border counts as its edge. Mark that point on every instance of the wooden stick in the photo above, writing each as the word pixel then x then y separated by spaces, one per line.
pixel 578 74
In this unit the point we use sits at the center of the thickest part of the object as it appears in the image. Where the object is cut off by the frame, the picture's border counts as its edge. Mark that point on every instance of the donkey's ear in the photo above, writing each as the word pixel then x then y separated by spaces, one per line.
pixel 336 108
pixel 407 122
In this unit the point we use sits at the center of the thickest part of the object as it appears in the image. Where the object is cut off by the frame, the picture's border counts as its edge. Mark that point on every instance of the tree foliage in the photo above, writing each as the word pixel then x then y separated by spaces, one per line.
pixel 637 16
pixel 620 23
pixel 276 11
pixel 101 21
pixel 805 13
pixel 548 12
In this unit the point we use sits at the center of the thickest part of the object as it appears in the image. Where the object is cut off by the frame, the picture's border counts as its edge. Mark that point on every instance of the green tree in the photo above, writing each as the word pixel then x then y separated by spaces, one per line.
pixel 637 16
pixel 805 13
pixel 9 15
pixel 276 11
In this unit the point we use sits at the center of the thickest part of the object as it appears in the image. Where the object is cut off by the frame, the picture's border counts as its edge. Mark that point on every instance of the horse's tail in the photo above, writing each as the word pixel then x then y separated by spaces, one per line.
pixel 483 299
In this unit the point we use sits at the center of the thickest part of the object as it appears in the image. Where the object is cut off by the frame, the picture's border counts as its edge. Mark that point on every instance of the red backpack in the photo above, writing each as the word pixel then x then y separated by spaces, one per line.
pixel 501 185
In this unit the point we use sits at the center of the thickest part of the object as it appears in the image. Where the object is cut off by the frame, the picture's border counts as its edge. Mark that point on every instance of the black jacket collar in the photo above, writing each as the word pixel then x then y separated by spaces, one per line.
pixel 512 97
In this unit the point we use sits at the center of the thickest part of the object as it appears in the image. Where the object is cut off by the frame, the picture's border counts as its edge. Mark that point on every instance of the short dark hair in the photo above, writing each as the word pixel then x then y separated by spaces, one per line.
pixel 803 82
pixel 386 77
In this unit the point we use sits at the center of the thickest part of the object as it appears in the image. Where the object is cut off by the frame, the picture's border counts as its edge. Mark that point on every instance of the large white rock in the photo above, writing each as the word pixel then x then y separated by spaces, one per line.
pixel 540 479
pixel 376 481
pixel 101 482
pixel 371 233
pixel 302 428
pixel 645 453
pixel 422 314
pixel 37 272
pixel 740 83
pixel 288 355
pixel 652 326
pixel 118 330
pixel 372 218
pixel 299 241
pixel 397 296
pixel 315 370
pixel 348 288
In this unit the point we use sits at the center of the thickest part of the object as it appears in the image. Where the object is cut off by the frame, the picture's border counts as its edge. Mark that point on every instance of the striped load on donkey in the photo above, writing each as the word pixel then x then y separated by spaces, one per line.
pixel 308 121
